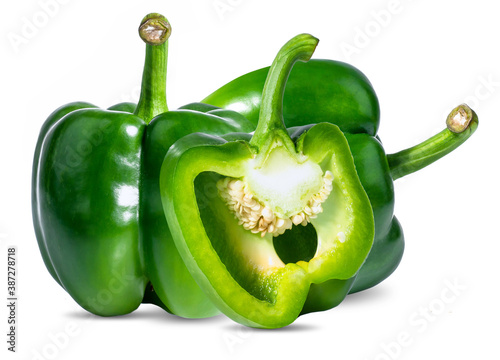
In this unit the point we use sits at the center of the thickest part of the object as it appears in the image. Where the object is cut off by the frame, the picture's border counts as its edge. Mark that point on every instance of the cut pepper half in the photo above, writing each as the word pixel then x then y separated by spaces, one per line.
pixel 230 201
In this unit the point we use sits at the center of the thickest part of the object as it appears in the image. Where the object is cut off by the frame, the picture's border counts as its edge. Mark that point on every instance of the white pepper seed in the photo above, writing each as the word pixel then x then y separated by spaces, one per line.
pixel 259 218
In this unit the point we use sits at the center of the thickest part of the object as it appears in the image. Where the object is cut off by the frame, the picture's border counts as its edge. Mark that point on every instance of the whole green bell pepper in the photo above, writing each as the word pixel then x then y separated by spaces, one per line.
pixel 317 91
pixel 96 204
pixel 331 91
pixel 235 202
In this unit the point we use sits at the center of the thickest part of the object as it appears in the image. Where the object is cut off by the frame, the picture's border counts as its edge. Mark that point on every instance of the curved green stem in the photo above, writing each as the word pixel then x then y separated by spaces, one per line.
pixel 271 124
pixel 461 124
pixel 154 31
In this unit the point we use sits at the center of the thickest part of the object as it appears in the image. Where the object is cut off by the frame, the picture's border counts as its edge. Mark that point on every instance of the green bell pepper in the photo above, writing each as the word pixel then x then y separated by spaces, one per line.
pixel 317 91
pixel 335 92
pixel 96 204
pixel 225 200
pixel 235 202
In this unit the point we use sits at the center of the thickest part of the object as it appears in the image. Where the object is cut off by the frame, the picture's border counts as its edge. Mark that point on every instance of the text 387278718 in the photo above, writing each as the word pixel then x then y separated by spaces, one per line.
pixel 11 299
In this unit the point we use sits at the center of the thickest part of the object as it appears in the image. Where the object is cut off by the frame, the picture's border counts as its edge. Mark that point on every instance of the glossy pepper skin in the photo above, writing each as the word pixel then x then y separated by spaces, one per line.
pixel 241 269
pixel 337 93
pixel 317 91
pixel 95 197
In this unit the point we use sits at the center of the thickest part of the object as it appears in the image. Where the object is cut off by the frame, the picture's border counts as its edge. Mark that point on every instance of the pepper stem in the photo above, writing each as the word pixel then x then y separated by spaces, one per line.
pixel 271 124
pixel 461 124
pixel 154 31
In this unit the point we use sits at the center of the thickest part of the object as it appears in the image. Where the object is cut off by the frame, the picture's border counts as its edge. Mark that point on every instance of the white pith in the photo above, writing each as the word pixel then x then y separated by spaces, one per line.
pixel 284 182
pixel 256 217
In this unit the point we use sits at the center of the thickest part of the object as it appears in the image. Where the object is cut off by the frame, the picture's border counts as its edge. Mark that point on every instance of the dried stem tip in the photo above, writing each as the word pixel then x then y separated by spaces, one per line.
pixel 459 118
pixel 155 29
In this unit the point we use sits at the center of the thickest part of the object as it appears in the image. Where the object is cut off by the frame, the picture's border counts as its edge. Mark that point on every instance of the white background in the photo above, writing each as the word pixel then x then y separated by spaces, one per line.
pixel 422 57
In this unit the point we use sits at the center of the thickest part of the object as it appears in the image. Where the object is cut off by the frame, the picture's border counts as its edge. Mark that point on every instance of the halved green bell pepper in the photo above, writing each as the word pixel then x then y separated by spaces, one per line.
pixel 96 202
pixel 226 199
